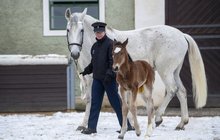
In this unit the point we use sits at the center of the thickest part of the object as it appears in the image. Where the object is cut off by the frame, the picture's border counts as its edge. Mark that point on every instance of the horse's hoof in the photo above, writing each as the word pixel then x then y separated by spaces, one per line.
pixel 186 122
pixel 80 128
pixel 138 134
pixel 159 122
pixel 147 137
pixel 180 128
pixel 120 137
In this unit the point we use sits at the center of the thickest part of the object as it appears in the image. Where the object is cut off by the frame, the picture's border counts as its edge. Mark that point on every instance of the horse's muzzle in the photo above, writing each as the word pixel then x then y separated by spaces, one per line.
pixel 115 69
pixel 75 56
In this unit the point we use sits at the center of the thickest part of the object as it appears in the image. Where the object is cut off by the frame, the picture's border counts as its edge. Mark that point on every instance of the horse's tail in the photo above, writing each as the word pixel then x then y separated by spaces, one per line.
pixel 197 69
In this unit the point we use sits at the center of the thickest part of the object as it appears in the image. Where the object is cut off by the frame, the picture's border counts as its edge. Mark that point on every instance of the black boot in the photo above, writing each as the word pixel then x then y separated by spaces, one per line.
pixel 89 131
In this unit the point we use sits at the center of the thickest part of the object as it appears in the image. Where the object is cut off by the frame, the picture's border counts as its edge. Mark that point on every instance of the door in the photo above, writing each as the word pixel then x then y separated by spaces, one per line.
pixel 200 19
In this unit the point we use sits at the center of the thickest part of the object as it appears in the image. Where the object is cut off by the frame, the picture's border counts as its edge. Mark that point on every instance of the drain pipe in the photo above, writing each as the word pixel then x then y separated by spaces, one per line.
pixel 70 85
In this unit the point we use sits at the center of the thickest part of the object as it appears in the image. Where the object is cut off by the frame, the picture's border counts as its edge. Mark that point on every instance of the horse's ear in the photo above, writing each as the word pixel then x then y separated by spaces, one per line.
pixel 125 42
pixel 83 13
pixel 68 14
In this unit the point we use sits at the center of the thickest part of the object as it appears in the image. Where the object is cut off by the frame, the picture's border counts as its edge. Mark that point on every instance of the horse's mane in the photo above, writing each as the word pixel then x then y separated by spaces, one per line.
pixel 89 19
pixel 129 57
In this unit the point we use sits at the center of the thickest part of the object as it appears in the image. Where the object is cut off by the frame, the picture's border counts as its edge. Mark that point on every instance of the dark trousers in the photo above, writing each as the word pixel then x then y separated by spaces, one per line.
pixel 98 90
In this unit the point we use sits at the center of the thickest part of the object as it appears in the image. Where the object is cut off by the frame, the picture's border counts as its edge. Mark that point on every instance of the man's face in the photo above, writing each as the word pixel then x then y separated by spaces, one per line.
pixel 99 35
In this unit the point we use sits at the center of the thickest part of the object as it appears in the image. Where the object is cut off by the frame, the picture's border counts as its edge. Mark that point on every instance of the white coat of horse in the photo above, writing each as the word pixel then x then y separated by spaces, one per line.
pixel 163 47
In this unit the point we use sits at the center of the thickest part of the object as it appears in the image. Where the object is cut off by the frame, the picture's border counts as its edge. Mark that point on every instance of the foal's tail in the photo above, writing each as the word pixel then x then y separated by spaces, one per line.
pixel 199 82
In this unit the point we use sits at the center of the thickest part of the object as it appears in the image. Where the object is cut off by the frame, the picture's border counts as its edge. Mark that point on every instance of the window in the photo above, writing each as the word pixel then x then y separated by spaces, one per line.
pixel 54 10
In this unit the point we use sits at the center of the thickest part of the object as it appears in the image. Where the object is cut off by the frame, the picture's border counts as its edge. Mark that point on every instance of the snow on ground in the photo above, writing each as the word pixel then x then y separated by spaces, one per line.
pixel 62 126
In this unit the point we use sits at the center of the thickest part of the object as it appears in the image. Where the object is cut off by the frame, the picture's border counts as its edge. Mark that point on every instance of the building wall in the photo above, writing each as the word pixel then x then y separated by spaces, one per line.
pixel 21 30
pixel 149 13
pixel 124 20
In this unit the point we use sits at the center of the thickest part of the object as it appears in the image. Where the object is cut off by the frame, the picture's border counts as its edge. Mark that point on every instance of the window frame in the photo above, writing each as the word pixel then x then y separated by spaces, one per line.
pixel 46 19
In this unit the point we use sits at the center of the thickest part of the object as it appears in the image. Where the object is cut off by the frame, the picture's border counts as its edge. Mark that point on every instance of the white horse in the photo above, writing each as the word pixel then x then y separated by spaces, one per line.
pixel 163 47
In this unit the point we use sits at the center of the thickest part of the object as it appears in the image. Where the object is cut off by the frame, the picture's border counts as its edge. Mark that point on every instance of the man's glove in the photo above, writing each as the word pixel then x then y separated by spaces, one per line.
pixel 83 73
pixel 107 79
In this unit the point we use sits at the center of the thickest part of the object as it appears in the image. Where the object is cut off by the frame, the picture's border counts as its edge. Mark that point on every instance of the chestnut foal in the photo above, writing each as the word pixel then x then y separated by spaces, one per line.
pixel 133 77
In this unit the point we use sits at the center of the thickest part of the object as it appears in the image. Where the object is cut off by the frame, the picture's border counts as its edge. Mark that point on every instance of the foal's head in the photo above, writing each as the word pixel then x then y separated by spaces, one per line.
pixel 119 54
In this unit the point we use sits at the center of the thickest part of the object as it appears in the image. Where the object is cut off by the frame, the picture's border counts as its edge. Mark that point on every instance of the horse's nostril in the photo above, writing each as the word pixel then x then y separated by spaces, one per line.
pixel 116 69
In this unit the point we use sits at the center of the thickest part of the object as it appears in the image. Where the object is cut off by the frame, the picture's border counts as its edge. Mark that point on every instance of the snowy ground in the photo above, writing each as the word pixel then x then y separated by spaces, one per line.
pixel 61 126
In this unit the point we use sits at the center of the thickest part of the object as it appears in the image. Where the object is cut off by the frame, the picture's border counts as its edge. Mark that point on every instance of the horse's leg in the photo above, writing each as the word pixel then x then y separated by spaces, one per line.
pixel 84 124
pixel 133 110
pixel 147 97
pixel 171 88
pixel 124 114
pixel 182 96
pixel 87 100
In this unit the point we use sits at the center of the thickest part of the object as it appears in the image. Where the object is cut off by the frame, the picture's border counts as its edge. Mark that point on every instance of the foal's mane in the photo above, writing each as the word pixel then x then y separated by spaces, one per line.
pixel 129 57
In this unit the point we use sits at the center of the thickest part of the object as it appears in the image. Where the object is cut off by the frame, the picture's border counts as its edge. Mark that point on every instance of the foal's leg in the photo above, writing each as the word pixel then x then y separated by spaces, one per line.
pixel 171 88
pixel 124 113
pixel 133 110
pixel 182 96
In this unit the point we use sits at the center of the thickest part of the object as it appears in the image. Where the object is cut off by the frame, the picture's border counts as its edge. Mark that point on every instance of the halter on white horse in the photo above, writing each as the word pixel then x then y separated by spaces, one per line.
pixel 164 47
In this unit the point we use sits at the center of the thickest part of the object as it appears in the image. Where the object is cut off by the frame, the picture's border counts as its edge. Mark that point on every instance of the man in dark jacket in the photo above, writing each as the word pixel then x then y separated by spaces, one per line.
pixel 103 78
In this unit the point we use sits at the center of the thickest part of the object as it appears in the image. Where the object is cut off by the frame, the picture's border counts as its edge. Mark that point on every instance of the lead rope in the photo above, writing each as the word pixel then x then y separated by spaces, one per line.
pixel 83 82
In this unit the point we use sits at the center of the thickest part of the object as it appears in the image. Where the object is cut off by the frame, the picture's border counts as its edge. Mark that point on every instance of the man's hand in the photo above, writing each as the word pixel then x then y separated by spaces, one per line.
pixel 108 78
pixel 83 73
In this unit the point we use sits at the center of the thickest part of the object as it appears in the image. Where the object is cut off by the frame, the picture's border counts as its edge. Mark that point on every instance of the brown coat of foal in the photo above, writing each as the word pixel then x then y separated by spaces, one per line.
pixel 133 77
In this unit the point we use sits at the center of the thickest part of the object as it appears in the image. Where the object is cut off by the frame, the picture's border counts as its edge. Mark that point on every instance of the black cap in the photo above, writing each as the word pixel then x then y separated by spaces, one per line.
pixel 99 26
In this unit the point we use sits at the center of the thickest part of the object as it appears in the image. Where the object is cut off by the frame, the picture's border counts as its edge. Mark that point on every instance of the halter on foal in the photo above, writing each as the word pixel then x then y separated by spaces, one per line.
pixel 134 77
